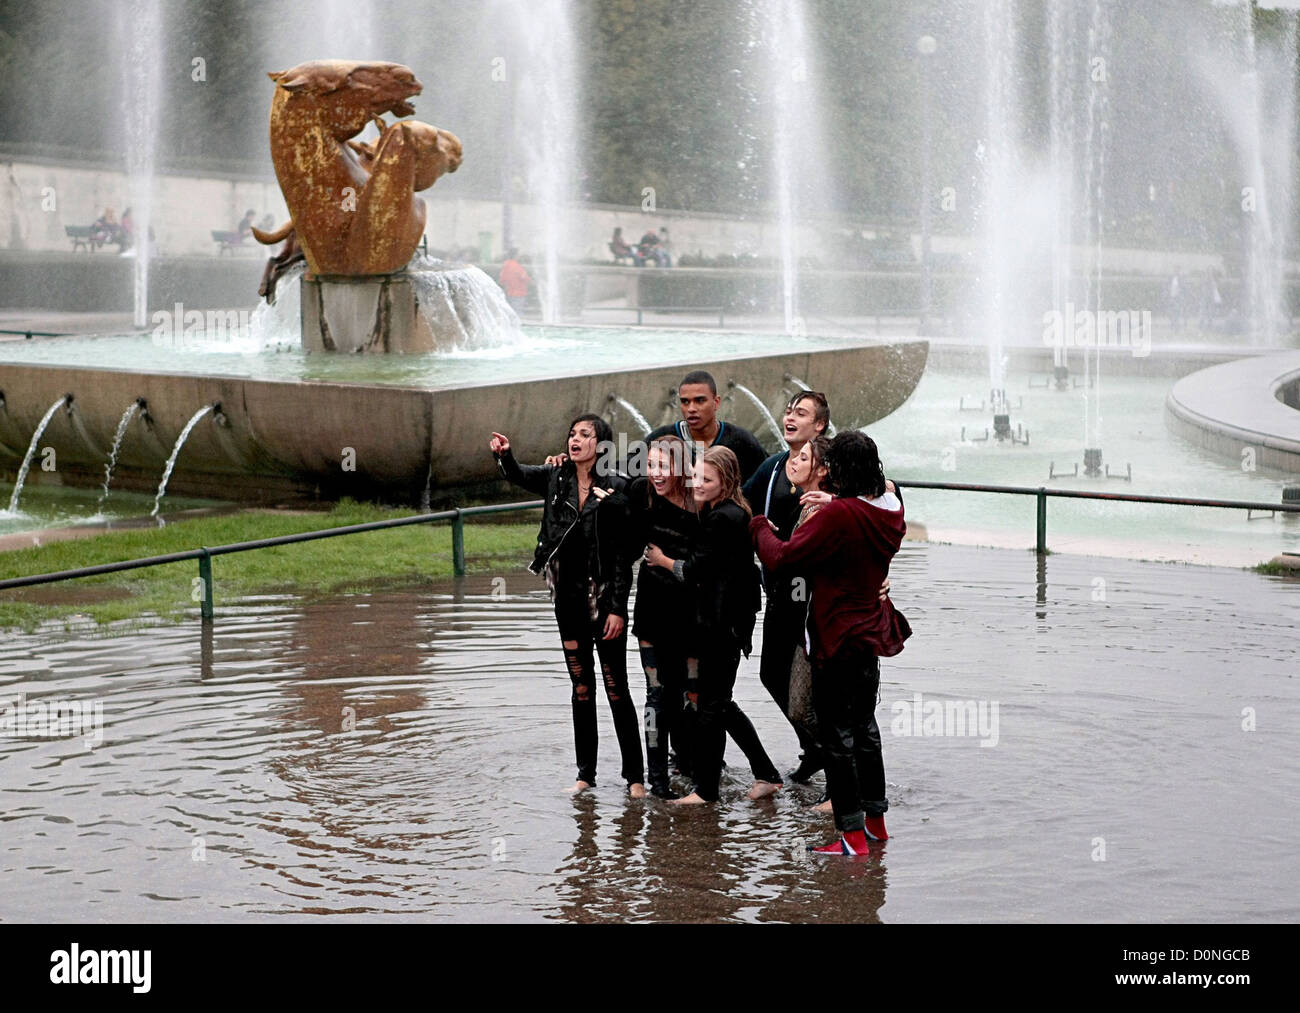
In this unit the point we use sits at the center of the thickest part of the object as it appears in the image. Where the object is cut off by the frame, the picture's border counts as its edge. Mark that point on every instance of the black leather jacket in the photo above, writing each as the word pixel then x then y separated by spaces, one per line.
pixel 606 523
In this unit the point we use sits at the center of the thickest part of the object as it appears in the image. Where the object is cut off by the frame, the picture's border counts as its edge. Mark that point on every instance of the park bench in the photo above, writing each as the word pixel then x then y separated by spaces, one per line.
pixel 226 241
pixel 82 236
pixel 629 256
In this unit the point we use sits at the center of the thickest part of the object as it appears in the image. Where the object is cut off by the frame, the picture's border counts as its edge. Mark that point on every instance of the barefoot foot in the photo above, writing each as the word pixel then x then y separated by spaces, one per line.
pixel 636 790
pixel 823 807
pixel 762 789
pixel 579 786
pixel 691 799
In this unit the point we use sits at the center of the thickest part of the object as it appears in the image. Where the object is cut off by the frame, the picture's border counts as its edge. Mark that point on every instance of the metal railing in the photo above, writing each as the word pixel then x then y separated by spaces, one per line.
pixel 204 554
pixel 1041 493
pixel 28 335
pixel 639 310
pixel 457 517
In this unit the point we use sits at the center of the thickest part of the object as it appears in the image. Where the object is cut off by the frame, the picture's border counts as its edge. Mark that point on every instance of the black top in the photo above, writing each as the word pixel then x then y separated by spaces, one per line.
pixel 771 495
pixel 722 568
pixel 741 442
pixel 665 607
pixel 602 527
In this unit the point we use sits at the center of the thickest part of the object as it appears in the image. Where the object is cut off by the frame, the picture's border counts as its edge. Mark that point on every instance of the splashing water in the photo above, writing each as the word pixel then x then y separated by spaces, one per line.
pixel 469 301
pixel 546 99
pixel 122 423
pixel 143 27
pixel 637 417
pixel 767 415
pixel 31 452
pixel 176 451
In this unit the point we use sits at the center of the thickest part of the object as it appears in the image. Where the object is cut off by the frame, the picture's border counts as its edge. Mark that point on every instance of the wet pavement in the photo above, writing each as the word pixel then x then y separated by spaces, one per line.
pixel 405 755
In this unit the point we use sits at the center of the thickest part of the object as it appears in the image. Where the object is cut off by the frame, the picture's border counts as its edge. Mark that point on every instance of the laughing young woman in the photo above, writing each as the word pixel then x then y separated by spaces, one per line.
pixel 664 514
pixel 582 549
pixel 721 567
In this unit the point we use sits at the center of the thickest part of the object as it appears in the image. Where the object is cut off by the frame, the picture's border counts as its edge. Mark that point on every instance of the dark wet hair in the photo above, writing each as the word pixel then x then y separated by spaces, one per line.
pixel 821 407
pixel 604 433
pixel 700 376
pixel 853 466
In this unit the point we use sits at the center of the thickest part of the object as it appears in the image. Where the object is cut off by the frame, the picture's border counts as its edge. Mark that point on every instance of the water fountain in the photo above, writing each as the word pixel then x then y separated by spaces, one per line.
pixel 797 153
pixel 142 29
pixel 176 452
pixel 1002 178
pixel 137 405
pixel 1253 83
pixel 62 402
pixel 544 77
pixel 637 418
pixel 757 402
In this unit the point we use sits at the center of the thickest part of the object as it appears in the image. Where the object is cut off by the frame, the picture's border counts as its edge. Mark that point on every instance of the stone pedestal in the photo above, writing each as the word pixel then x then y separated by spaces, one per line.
pixel 372 314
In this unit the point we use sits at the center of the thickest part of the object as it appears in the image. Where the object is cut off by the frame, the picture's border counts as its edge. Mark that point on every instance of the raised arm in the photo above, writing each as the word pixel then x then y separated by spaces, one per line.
pixel 812 543
pixel 534 478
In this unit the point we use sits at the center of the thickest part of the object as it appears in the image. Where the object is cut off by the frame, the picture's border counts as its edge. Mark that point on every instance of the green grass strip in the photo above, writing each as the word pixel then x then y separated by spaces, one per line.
pixel 400 557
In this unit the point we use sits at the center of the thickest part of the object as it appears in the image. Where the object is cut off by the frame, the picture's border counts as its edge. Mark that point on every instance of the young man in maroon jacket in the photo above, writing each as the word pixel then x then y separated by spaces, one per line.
pixel 844 550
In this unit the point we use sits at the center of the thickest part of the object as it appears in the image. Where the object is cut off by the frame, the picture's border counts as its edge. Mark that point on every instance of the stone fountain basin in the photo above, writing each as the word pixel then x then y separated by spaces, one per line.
pixel 277 438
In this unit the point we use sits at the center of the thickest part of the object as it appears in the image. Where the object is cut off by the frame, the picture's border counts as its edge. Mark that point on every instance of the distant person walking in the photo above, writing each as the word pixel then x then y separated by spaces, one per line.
pixel 1176 302
pixel 515 280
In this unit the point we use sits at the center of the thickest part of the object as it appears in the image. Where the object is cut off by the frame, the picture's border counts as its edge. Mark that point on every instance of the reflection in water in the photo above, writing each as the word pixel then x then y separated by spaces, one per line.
pixel 406 753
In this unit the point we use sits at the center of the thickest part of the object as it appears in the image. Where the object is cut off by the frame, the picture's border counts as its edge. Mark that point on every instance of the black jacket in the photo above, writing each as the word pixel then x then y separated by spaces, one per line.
pixel 665 606
pixel 605 524
pixel 722 568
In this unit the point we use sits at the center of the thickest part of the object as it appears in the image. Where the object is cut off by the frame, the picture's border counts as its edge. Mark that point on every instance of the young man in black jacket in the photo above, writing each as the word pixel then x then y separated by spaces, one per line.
pixel 583 550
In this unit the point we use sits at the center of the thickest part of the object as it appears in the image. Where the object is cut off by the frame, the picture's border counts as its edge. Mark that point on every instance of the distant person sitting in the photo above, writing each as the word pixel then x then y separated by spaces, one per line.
pixel 105 229
pixel 515 280
pixel 619 248
pixel 245 226
pixel 650 249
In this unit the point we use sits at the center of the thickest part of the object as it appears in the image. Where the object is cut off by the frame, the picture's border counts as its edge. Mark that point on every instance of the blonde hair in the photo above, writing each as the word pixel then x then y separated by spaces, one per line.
pixel 725 464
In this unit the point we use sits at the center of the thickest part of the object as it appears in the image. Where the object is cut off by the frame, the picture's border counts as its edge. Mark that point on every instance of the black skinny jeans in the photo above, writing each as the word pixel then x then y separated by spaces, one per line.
pixel 716 716
pixel 666 671
pixel 575 627
pixel 782 632
pixel 844 697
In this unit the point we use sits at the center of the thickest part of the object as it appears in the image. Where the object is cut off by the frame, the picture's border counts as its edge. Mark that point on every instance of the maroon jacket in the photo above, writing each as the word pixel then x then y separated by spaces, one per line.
pixel 844 550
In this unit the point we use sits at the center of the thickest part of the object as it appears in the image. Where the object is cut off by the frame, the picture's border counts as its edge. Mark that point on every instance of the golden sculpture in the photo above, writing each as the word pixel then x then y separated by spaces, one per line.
pixel 352 204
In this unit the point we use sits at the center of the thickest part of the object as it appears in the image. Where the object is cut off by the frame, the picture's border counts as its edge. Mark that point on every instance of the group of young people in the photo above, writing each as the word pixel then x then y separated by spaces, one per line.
pixel 824 523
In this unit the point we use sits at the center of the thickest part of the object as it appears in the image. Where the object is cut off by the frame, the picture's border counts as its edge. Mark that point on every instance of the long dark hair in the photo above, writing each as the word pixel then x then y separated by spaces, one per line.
pixel 818 447
pixel 853 466
pixel 680 454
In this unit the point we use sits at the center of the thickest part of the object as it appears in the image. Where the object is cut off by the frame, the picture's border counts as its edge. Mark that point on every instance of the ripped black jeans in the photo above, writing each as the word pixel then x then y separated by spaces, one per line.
pixel 576 628
pixel 666 672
